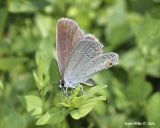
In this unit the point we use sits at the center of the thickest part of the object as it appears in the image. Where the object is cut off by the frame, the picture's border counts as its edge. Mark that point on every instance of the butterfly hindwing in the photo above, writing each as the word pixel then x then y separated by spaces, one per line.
pixel 86 59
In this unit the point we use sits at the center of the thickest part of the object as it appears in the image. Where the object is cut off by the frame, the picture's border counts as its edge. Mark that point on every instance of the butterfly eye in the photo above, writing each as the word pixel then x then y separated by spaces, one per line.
pixel 61 83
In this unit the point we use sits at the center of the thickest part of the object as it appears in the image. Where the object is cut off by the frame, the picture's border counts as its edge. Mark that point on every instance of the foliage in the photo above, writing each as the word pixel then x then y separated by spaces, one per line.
pixel 29 92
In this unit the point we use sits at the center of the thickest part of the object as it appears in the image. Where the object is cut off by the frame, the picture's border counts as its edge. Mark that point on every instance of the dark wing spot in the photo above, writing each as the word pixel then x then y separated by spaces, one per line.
pixel 110 63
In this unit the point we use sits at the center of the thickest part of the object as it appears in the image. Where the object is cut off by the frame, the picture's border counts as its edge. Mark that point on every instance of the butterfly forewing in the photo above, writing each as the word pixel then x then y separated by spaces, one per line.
pixel 68 35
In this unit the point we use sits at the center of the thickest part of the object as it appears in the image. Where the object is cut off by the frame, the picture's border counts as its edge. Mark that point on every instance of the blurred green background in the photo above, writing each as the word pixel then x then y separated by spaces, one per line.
pixel 27 45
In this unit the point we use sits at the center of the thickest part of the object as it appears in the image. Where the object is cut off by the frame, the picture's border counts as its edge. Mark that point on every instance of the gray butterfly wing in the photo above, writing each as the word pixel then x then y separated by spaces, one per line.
pixel 68 34
pixel 85 50
pixel 89 82
pixel 82 52
pixel 100 62
pixel 81 64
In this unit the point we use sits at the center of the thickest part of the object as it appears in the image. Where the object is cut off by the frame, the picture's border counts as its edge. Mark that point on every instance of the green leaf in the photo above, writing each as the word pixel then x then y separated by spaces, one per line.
pixel 54 72
pixel 65 105
pixel 10 63
pixel 76 102
pixel 86 107
pixel 75 92
pixel 3 15
pixel 116 121
pixel 53 116
pixel 44 55
pixel 13 119
pixel 44 58
pixel 157 1
pixel 95 99
pixel 4 48
pixel 138 89
pixel 1 86
pixel 21 6
pixel 33 104
pixel 25 39
pixel 96 89
pixel 153 68
pixel 83 110
pixel 128 62
pixel 81 105
pixel 48 21
pixel 146 41
pixel 118 29
pixel 152 110
pixel 73 100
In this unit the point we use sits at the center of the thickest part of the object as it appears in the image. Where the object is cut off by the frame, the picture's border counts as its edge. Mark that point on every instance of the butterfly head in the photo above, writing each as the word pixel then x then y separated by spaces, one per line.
pixel 61 83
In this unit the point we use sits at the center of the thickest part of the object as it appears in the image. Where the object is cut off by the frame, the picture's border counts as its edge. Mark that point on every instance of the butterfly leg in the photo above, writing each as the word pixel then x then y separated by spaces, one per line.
pixel 81 88
pixel 72 90
pixel 65 89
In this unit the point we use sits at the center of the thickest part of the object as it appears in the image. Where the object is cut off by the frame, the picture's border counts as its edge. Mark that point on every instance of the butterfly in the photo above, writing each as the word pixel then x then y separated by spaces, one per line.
pixel 79 55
